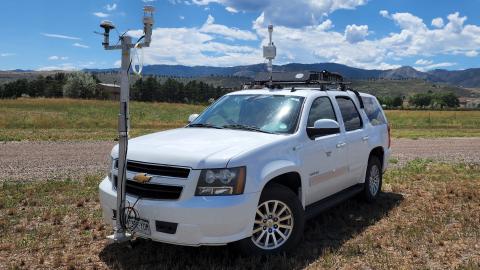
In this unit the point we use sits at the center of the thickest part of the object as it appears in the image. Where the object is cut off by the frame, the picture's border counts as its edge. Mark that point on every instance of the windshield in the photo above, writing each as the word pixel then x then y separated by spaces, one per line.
pixel 262 113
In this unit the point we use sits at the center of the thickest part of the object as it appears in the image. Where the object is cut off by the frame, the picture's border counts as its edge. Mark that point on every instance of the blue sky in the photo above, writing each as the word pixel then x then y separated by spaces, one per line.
pixel 381 34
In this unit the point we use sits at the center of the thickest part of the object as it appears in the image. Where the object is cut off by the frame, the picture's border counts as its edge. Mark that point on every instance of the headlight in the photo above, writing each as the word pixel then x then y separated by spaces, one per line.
pixel 111 167
pixel 221 182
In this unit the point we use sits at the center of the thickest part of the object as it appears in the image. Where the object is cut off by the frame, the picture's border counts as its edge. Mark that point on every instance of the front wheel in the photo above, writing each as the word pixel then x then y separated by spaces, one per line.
pixel 279 222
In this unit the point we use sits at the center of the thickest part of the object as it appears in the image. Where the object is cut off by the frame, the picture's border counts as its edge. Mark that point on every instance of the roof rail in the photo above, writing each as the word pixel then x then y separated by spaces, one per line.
pixel 318 78
pixel 299 77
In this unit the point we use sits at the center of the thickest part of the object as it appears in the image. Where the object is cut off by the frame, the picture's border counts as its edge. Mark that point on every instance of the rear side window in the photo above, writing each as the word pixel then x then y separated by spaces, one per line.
pixel 321 109
pixel 373 111
pixel 351 117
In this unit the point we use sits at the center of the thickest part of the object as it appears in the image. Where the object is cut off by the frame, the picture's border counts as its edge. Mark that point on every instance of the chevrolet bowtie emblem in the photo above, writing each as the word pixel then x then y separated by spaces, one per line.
pixel 142 178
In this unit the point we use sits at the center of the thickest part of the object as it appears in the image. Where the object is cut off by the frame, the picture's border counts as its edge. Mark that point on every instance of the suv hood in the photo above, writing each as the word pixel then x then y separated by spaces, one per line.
pixel 197 148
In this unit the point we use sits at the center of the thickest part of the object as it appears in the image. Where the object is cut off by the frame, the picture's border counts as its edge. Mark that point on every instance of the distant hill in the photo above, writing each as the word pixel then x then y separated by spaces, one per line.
pixel 464 78
pixel 469 78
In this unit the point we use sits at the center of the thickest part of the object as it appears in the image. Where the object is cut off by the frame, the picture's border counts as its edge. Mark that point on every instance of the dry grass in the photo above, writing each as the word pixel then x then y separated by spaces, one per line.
pixel 428 218
pixel 72 119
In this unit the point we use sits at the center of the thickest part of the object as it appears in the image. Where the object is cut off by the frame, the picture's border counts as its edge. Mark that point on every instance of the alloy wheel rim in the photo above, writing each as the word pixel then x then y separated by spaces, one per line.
pixel 273 225
pixel 374 180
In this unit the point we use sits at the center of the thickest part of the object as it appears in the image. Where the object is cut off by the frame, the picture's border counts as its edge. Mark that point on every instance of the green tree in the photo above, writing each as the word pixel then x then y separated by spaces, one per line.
pixel 397 101
pixel 79 85
pixel 447 100
pixel 15 89
pixel 421 100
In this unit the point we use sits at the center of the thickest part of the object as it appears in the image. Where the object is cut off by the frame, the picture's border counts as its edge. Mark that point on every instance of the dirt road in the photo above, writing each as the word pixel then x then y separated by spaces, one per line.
pixel 30 161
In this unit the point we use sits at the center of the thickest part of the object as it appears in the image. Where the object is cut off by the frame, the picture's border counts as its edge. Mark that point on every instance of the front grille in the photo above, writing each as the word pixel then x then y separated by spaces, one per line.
pixel 155 169
pixel 151 191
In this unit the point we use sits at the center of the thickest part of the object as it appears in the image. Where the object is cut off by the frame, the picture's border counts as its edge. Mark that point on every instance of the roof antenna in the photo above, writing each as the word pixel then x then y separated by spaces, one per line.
pixel 269 53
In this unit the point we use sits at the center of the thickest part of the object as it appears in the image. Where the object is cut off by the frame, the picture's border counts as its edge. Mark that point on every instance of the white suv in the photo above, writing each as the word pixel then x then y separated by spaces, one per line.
pixel 252 168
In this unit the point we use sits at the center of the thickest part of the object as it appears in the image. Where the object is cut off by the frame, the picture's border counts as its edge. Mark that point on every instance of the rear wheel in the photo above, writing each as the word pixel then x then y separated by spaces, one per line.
pixel 373 179
pixel 279 222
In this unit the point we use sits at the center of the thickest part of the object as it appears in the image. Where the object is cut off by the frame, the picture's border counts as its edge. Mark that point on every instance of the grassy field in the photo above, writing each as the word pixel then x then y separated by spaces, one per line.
pixel 431 124
pixel 68 119
pixel 427 218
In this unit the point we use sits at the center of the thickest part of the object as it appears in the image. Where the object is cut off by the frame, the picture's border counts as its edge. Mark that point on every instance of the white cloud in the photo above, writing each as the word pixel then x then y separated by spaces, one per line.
pixel 55 57
pixel 6 54
pixel 66 66
pixel 455 22
pixel 148 1
pixel 190 46
pixel 181 17
pixel 416 39
pixel 423 62
pixel 316 43
pixel 288 12
pixel 472 53
pixel 101 14
pixel 384 13
pixel 231 10
pixel 211 27
pixel 356 33
pixel 60 36
pixel 435 66
pixel 76 44
pixel 408 21
pixel 111 7
pixel 437 22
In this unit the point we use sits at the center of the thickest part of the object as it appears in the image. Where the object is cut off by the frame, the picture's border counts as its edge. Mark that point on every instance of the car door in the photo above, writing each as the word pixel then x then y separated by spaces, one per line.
pixel 325 162
pixel 356 138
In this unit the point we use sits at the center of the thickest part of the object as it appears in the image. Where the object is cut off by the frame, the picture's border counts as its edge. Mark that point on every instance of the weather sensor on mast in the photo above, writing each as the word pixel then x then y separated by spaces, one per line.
pixel 122 217
pixel 270 52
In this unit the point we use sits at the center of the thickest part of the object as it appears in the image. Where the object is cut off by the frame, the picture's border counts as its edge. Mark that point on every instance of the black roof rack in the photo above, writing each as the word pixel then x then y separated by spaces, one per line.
pixel 299 77
pixel 317 78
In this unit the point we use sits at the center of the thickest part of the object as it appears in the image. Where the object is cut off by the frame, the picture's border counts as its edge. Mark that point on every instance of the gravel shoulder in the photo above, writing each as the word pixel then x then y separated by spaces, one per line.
pixel 30 161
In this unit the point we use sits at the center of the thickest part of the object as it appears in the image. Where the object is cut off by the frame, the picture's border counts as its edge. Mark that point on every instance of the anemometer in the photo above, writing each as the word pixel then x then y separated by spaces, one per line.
pixel 120 234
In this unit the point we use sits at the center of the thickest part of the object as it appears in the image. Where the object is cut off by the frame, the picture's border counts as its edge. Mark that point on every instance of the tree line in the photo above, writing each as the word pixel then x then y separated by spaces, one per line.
pixel 85 86
pixel 423 100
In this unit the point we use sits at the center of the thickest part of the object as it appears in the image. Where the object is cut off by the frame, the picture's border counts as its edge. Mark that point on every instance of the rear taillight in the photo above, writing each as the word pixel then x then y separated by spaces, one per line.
pixel 389 137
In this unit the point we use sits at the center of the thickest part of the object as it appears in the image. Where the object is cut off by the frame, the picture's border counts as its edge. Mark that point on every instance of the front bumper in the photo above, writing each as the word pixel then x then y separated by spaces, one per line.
pixel 214 220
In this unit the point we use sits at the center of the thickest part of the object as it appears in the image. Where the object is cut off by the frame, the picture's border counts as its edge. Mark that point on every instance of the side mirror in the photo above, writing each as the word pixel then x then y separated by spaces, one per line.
pixel 192 117
pixel 323 127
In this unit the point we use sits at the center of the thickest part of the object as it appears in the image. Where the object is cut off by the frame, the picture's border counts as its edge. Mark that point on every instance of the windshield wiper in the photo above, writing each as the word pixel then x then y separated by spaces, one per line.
pixel 245 127
pixel 200 125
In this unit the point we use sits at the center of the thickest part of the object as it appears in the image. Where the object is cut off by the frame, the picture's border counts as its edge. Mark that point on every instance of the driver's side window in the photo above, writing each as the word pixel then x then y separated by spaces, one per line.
pixel 322 108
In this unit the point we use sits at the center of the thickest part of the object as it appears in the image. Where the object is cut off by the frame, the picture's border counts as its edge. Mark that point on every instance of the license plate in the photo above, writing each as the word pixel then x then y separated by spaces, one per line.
pixel 139 226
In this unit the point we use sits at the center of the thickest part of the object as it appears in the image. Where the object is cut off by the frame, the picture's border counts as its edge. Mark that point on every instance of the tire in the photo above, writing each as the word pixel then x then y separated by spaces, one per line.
pixel 277 224
pixel 373 179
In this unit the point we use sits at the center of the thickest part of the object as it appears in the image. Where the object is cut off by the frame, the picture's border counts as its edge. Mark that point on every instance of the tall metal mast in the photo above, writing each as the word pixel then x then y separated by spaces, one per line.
pixel 123 118
pixel 269 53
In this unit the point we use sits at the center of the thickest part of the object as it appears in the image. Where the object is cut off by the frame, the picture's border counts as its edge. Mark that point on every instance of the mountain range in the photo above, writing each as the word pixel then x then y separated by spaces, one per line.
pixel 463 78
pixel 468 78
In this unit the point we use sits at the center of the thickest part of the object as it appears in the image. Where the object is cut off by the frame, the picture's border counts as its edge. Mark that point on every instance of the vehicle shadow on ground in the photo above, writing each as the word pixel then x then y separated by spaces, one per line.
pixel 327 232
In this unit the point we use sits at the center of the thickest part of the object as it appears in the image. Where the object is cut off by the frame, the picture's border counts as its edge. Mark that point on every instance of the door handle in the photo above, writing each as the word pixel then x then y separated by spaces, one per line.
pixel 340 145
pixel 365 138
